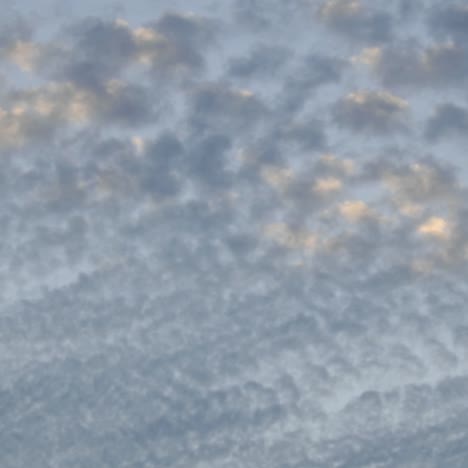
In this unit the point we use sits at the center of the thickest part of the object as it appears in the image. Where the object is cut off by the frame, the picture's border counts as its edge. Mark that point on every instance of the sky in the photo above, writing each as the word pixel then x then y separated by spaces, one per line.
pixel 234 234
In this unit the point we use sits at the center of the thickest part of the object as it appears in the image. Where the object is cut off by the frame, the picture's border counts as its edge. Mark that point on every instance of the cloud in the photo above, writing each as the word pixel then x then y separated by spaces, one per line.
pixel 15 29
pixel 315 71
pixel 416 66
pixel 356 20
pixel 450 20
pixel 36 114
pixel 327 184
pixel 93 50
pixel 261 61
pixel 355 210
pixel 377 111
pixel 226 243
pixel 219 106
pixel 422 181
pixel 283 235
pixel 435 227
pixel 24 54
pixel 309 134
pixel 447 120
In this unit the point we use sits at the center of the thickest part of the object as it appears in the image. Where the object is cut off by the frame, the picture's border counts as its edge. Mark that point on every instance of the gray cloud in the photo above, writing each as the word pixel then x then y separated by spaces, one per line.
pixel 261 62
pixel 226 245
pixel 357 20
pixel 415 66
pixel 371 111
pixel 450 20
pixel 314 71
pixel 448 120
pixel 228 109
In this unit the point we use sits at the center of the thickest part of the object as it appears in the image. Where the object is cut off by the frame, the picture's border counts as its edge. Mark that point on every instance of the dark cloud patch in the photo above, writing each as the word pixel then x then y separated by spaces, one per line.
pixel 129 106
pixel 448 120
pixel 186 28
pixel 187 39
pixel 207 161
pixel 409 8
pixel 225 108
pixel 315 70
pixel 357 20
pixel 450 21
pixel 262 15
pixel 308 134
pixel 100 49
pixel 88 53
pixel 371 111
pixel 411 65
pixel 14 29
pixel 262 61
pixel 94 50
pixel 158 175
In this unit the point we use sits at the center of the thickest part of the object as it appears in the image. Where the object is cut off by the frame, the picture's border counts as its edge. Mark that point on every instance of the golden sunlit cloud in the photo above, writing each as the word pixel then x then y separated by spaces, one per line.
pixel 435 227
pixel 327 185
pixel 372 97
pixel 355 210
pixel 24 54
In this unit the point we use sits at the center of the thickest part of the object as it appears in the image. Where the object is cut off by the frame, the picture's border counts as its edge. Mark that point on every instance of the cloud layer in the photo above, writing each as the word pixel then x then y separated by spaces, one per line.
pixel 234 236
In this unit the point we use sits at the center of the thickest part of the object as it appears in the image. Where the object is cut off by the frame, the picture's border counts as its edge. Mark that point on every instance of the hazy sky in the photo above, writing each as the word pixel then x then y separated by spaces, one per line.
pixel 234 234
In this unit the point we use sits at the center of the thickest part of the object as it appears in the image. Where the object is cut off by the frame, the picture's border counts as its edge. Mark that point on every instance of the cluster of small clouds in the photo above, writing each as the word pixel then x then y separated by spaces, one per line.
pixel 236 237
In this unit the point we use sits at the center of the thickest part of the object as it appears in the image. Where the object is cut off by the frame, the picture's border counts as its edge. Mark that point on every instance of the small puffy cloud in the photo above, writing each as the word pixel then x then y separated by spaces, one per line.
pixel 355 210
pixel 290 238
pixel 448 120
pixel 327 185
pixel 24 54
pixel 435 227
pixel 356 20
pixel 376 111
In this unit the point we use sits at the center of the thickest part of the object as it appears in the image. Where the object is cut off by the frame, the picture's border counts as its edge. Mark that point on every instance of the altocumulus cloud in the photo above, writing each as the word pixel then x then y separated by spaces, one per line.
pixel 234 236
